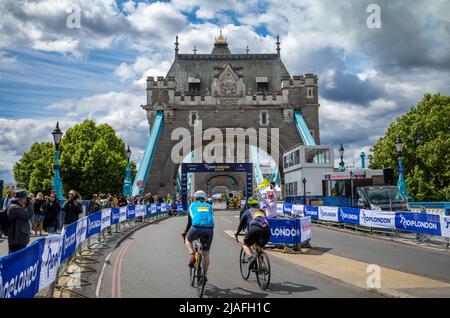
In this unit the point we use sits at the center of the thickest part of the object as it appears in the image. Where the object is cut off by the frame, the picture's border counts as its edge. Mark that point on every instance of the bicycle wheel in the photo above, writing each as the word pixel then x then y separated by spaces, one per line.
pixel 200 276
pixel 244 265
pixel 263 271
pixel 193 273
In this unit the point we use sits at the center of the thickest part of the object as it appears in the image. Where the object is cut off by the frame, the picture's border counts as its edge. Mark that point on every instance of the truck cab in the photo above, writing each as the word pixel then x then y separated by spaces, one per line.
pixel 385 198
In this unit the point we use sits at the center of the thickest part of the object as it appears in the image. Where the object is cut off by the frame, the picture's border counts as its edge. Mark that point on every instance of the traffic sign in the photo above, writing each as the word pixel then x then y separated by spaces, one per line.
pixel 140 184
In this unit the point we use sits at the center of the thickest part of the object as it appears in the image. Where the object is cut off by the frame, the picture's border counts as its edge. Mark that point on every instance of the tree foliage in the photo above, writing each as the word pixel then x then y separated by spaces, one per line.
pixel 93 160
pixel 425 131
pixel 34 171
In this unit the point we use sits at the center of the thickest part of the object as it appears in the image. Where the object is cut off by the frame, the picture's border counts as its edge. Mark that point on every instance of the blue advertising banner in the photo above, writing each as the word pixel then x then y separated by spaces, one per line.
pixel 179 208
pixel 288 208
pixel 19 272
pixel 69 241
pixel 115 215
pixel 131 214
pixel 158 208
pixel 423 223
pixel 312 211
pixel 349 215
pixel 94 224
pixel 153 208
pixel 284 231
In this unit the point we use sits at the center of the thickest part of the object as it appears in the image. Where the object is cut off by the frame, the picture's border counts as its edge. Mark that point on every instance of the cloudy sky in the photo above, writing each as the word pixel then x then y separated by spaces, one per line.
pixel 53 69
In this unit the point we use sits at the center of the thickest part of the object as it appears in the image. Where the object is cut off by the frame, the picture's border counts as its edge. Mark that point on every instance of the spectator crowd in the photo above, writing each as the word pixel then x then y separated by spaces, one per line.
pixel 22 212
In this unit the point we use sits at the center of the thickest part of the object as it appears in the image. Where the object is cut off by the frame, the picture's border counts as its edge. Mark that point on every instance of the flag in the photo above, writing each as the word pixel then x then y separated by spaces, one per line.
pixel 263 184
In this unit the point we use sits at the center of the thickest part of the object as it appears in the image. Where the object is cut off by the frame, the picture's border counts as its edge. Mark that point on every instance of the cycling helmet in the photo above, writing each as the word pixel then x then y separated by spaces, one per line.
pixel 252 201
pixel 200 195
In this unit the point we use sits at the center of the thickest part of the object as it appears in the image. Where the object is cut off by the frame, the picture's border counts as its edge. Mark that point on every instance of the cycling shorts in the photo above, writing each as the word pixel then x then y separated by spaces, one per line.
pixel 206 235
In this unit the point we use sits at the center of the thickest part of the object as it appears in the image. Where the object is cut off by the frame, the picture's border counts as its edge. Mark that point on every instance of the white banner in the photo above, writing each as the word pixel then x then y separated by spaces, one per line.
pixel 81 230
pixel 106 219
pixel 298 209
pixel 139 210
pixel 280 208
pixel 378 219
pixel 305 224
pixel 123 214
pixel 329 213
pixel 50 260
pixel 445 225
pixel 153 209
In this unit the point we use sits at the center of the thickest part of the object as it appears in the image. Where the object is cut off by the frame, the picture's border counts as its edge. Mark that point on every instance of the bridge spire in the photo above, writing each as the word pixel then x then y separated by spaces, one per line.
pixel 176 45
pixel 278 45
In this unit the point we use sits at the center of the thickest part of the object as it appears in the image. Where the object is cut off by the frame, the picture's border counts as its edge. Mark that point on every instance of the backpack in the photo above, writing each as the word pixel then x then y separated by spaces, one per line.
pixel 259 218
pixel 4 223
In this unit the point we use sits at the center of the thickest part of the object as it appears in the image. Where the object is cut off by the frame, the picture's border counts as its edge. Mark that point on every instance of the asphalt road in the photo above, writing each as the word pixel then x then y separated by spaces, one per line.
pixel 406 258
pixel 153 263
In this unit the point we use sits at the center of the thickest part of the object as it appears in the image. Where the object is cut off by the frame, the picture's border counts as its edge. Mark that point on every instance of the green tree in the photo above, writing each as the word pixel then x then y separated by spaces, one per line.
pixel 425 131
pixel 34 171
pixel 93 160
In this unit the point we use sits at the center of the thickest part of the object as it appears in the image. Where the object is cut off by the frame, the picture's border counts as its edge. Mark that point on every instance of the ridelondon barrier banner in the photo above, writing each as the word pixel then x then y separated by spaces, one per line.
pixel 131 212
pixel 349 215
pixel 94 224
pixel 34 268
pixel 81 230
pixel 377 219
pixel 329 213
pixel 69 241
pixel 115 212
pixel 298 210
pixel 139 210
pixel 423 223
pixel 122 214
pixel 19 272
pixel 106 219
pixel 50 260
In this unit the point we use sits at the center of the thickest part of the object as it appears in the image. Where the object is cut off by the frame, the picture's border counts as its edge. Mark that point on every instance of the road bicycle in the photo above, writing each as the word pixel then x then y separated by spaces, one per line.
pixel 261 265
pixel 197 272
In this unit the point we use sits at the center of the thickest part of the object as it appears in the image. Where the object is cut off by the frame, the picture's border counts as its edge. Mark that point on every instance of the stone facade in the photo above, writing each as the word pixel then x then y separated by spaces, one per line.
pixel 227 90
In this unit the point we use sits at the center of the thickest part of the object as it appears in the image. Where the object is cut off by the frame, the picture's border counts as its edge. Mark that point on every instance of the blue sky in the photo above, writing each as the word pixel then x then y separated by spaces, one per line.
pixel 367 77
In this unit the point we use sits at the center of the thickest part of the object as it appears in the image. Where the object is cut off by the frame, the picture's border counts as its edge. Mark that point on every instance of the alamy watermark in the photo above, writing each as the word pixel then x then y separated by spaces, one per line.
pixel 374 19
pixel 374 279
pixel 73 21
pixel 223 148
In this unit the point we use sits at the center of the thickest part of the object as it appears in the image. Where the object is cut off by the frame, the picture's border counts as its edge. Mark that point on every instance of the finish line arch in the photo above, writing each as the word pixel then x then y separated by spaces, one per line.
pixel 186 168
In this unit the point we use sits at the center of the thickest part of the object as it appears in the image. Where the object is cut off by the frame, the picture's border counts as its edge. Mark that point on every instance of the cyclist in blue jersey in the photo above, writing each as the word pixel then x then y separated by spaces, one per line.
pixel 200 225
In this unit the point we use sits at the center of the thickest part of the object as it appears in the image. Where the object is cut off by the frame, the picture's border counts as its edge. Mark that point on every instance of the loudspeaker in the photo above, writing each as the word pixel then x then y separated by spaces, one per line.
pixel 388 176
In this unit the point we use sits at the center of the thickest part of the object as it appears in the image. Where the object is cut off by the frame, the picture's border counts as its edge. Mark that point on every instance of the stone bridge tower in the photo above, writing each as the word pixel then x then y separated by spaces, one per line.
pixel 226 90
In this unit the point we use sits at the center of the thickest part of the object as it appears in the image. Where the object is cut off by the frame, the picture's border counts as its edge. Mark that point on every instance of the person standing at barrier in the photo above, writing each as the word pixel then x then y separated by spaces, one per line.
pixel 200 225
pixel 270 202
pixel 72 208
pixel 94 205
pixel 20 212
pixel 258 228
pixel 38 214
pixel 51 208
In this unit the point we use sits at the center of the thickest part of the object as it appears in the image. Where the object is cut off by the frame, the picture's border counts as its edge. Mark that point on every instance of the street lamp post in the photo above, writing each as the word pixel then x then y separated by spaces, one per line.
pixel 304 191
pixel 57 183
pixel 127 181
pixel 341 154
pixel 401 176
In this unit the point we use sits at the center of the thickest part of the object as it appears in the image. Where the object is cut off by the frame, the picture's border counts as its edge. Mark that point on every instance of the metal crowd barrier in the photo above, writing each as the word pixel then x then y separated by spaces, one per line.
pixel 440 237
pixel 48 269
